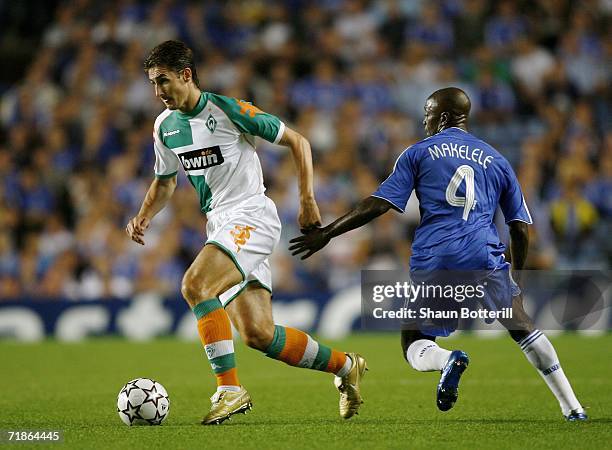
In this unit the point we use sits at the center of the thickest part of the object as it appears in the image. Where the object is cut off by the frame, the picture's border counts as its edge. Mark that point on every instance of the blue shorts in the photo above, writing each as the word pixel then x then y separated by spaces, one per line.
pixel 490 290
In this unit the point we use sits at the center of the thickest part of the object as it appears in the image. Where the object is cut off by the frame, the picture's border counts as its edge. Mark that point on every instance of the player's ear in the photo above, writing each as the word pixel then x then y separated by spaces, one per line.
pixel 187 75
pixel 443 121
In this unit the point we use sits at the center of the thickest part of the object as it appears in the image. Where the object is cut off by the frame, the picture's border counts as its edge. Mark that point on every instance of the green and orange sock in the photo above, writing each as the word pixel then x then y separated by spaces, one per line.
pixel 215 333
pixel 298 349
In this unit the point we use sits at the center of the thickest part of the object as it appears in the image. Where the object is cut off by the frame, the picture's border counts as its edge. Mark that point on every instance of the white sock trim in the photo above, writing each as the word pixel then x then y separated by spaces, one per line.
pixel 219 348
pixel 310 353
pixel 346 368
pixel 525 342
pixel 228 388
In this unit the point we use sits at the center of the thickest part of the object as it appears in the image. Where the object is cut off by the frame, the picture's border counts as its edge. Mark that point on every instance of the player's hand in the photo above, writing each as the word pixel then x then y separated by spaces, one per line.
pixel 309 217
pixel 136 227
pixel 309 243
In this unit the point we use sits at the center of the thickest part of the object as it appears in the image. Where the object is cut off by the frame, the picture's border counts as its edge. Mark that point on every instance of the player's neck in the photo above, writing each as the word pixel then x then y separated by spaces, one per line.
pixel 192 100
pixel 461 126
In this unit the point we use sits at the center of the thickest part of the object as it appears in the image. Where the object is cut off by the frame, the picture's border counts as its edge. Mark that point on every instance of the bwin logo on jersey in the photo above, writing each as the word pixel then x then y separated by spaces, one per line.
pixel 202 158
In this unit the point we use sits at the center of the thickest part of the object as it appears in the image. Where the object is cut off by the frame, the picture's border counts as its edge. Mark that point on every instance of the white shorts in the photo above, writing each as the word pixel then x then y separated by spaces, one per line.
pixel 247 233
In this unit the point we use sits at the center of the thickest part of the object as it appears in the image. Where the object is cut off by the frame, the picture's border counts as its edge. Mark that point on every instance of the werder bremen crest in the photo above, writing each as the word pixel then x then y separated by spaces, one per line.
pixel 211 123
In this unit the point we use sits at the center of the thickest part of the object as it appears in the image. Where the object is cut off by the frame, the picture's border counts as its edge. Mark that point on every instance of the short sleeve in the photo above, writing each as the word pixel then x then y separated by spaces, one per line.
pixel 166 162
pixel 249 119
pixel 511 201
pixel 396 189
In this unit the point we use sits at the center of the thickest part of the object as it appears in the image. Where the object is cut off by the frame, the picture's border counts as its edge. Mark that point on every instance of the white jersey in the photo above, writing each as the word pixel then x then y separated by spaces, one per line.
pixel 215 144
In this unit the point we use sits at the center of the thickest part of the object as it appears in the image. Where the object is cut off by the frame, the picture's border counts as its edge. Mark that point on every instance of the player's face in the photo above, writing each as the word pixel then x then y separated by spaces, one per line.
pixel 431 119
pixel 170 86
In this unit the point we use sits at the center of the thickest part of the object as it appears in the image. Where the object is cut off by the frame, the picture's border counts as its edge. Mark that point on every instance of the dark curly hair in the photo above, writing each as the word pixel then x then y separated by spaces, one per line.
pixel 174 55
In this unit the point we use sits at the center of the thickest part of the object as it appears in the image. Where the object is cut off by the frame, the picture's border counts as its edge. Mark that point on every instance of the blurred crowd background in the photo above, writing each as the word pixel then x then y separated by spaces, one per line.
pixel 77 111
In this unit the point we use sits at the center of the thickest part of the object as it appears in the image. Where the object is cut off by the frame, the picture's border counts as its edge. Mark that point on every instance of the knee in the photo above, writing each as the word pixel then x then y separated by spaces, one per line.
pixel 519 329
pixel 417 339
pixel 196 287
pixel 257 336
pixel 518 335
pixel 407 339
pixel 191 288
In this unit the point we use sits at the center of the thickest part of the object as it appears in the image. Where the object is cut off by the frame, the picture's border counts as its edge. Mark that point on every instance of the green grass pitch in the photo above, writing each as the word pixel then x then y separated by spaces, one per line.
pixel 503 403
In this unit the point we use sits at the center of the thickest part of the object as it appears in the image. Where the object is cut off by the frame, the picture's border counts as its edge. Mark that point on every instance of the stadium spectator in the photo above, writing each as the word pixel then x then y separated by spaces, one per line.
pixel 76 150
pixel 573 217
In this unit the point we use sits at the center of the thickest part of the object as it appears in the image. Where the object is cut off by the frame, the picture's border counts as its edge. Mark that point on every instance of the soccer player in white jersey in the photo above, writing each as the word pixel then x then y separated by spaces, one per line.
pixel 213 138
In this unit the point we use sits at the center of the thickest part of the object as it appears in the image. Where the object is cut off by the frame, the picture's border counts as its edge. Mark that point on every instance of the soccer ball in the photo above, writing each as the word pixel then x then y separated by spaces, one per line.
pixel 143 401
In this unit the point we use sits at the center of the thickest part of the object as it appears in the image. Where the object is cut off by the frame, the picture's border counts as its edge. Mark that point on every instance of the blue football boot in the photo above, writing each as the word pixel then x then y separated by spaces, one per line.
pixel 575 416
pixel 448 387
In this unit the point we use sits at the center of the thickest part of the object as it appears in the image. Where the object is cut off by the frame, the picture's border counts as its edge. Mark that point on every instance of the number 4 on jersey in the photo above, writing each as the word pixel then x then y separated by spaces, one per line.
pixel 468 202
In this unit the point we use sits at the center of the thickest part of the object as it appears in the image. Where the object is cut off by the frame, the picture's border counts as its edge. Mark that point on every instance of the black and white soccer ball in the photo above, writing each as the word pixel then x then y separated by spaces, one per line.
pixel 143 401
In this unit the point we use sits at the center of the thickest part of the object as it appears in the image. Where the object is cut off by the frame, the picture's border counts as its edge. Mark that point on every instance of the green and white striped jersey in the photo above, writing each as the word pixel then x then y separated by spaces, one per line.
pixel 215 144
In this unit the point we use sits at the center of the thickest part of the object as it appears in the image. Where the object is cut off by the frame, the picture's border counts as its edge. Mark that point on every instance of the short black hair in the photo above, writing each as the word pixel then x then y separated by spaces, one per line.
pixel 453 100
pixel 174 55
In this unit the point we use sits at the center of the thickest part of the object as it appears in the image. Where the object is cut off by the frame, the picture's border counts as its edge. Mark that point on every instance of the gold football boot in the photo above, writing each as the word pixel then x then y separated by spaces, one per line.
pixel 227 403
pixel 350 396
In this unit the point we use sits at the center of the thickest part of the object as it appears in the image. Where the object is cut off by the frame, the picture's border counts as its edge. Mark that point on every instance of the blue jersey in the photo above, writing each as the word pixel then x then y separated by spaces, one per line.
pixel 459 181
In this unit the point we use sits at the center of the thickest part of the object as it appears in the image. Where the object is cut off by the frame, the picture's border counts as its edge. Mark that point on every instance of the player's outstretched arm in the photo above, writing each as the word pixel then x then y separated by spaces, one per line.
pixel 519 244
pixel 309 216
pixel 159 193
pixel 313 241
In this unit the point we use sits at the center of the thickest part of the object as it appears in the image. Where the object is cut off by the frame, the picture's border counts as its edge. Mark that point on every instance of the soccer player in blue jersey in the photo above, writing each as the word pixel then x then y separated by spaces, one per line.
pixel 459 181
